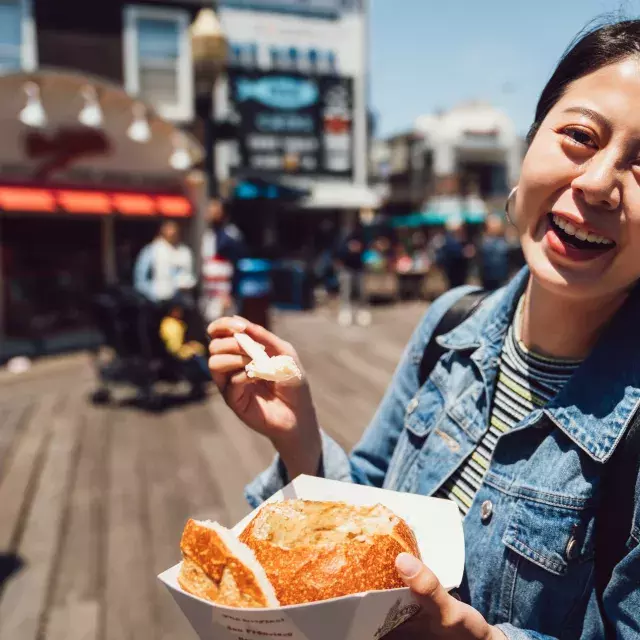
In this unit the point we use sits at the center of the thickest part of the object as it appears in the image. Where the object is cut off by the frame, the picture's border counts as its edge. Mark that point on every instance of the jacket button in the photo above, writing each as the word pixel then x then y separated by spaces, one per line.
pixel 411 407
pixel 486 510
pixel 573 549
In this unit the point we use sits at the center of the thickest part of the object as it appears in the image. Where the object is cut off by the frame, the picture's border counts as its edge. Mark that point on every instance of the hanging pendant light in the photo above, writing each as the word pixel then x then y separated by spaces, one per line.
pixel 139 129
pixel 91 114
pixel 180 159
pixel 33 114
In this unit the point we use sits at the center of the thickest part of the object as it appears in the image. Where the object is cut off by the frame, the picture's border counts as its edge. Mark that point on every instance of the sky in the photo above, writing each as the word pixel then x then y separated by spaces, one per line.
pixel 433 54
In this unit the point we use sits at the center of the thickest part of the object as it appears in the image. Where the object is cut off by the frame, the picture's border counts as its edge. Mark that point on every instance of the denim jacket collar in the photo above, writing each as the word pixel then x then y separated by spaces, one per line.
pixel 597 404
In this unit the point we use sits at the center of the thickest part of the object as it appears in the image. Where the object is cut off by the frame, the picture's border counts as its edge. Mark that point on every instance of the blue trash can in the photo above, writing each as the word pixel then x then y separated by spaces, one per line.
pixel 253 290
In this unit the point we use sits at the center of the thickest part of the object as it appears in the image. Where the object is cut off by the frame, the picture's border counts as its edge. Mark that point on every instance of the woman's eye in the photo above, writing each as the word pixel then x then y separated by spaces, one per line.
pixel 579 137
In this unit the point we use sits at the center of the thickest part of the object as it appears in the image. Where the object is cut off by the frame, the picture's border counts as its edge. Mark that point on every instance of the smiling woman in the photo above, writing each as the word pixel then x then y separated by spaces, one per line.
pixel 525 416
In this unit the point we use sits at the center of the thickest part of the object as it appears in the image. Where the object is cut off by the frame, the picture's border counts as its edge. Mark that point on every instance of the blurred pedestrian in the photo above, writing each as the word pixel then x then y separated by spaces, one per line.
pixel 515 256
pixel 350 267
pixel 222 246
pixel 455 254
pixel 164 268
pixel 222 238
pixel 494 254
pixel 420 252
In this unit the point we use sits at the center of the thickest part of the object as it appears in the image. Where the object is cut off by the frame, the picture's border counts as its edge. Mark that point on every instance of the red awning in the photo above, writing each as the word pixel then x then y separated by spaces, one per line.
pixel 134 204
pixel 27 199
pixel 93 202
pixel 85 202
pixel 175 206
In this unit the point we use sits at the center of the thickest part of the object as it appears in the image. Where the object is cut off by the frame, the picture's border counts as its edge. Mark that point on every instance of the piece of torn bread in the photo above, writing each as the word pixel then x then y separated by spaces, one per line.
pixel 264 367
pixel 313 551
pixel 218 567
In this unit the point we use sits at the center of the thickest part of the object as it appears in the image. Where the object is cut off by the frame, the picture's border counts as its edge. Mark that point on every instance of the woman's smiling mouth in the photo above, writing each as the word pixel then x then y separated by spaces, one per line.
pixel 574 241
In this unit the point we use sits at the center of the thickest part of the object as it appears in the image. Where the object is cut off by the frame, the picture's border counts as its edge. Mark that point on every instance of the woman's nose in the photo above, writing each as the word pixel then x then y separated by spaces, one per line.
pixel 599 183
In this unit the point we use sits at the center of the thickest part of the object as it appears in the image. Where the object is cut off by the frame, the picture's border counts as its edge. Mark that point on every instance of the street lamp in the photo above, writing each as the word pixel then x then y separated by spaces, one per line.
pixel 209 49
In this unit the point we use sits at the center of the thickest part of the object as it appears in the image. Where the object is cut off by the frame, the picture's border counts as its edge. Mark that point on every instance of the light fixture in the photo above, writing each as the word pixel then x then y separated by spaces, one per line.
pixel 33 114
pixel 209 45
pixel 180 159
pixel 91 114
pixel 139 129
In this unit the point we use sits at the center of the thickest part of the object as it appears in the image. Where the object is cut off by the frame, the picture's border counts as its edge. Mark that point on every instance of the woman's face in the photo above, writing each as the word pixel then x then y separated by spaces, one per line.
pixel 578 203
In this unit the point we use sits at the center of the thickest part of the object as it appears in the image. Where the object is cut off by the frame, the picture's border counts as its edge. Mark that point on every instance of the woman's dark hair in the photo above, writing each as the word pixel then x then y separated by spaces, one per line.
pixel 593 48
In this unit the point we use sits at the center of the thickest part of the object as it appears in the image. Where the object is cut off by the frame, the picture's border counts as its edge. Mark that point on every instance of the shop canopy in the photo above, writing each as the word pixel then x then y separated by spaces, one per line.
pixel 440 210
pixel 431 218
pixel 92 202
pixel 340 195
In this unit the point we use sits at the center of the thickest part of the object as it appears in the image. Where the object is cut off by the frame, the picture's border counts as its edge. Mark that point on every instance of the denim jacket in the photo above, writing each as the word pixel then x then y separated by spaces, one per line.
pixel 530 563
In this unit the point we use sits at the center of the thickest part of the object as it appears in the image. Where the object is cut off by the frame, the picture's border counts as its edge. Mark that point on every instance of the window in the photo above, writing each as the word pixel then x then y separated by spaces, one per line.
pixel 243 54
pixel 17 36
pixel 157 54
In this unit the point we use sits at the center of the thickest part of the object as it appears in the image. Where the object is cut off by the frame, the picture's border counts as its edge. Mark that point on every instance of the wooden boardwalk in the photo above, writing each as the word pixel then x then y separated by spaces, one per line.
pixel 93 500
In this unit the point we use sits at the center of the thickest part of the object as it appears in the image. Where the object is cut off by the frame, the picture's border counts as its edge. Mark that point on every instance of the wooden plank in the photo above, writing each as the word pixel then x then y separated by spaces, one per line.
pixel 200 490
pixel 74 621
pixel 168 510
pixel 23 603
pixel 129 611
pixel 77 588
pixel 22 470
pixel 224 461
pixel 255 452
pixel 12 420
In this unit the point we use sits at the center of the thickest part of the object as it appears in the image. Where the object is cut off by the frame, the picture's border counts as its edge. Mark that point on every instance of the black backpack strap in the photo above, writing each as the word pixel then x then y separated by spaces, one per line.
pixel 614 519
pixel 455 315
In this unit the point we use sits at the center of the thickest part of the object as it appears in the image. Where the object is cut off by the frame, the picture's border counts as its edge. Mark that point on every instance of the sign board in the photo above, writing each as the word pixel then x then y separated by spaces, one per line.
pixel 292 124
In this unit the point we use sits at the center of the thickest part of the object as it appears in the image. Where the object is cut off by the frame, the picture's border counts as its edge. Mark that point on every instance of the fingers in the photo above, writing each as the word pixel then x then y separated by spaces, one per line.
pixel 225 346
pixel 275 346
pixel 439 606
pixel 444 615
pixel 226 327
pixel 227 363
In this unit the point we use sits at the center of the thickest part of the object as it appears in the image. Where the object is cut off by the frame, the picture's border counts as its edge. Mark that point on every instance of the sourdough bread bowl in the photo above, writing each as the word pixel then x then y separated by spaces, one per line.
pixel 295 552
pixel 313 551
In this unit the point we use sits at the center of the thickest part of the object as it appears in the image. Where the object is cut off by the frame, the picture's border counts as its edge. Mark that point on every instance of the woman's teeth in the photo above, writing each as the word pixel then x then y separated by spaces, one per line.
pixel 581 234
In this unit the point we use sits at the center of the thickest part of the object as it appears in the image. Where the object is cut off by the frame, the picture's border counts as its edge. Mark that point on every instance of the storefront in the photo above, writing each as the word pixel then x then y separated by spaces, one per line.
pixel 77 203
pixel 299 101
pixel 474 151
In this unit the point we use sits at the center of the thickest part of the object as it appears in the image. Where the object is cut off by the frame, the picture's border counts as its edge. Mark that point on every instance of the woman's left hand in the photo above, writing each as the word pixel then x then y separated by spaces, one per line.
pixel 442 615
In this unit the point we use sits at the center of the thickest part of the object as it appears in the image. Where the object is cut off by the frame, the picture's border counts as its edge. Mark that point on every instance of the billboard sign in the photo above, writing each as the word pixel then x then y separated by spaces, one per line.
pixel 292 124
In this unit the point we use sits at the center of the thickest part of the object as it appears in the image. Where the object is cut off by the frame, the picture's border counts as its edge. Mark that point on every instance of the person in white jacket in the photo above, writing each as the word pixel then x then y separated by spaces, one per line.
pixel 164 269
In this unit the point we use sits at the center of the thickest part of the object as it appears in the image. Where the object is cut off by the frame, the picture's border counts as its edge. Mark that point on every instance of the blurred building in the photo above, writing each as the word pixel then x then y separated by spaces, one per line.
pixel 96 101
pixel 296 88
pixel 469 154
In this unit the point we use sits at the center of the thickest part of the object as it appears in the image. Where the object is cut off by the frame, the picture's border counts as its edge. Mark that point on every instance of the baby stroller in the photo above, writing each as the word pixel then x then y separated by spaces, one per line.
pixel 130 324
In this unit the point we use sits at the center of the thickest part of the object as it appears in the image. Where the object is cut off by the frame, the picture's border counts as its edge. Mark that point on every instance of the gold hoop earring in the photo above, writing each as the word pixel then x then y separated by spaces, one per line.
pixel 507 205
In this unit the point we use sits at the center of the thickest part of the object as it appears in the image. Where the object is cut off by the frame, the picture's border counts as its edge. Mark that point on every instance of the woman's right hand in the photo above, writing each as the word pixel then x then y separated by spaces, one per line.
pixel 283 412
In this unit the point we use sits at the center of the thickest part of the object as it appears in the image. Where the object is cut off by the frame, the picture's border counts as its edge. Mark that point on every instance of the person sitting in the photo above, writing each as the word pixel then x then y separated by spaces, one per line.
pixel 192 353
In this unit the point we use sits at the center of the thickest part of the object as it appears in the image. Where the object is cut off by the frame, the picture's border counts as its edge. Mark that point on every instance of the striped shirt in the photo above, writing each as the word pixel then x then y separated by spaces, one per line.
pixel 526 381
